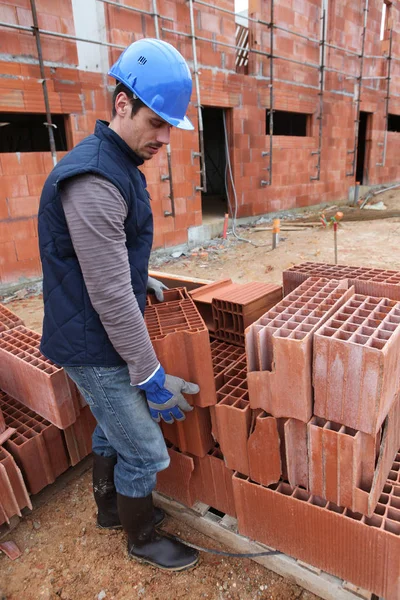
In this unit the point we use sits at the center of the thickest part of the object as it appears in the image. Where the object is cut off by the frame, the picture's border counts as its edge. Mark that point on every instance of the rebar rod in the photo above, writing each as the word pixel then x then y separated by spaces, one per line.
pixel 335 47
pixel 60 35
pixel 258 21
pixel 295 33
pixel 138 10
pixel 260 52
pixel 332 70
pixel 225 10
pixel 49 122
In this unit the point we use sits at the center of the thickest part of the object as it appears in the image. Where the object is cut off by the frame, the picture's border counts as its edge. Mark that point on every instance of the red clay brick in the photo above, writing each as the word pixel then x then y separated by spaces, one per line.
pixel 32 379
pixel 279 348
pixel 233 418
pixel 13 186
pixel 367 496
pixel 235 307
pixel 295 433
pixel 366 281
pixel 263 448
pixel 175 481
pixel 25 163
pixel 27 206
pixel 27 249
pixel 212 482
pixel 324 535
pixel 223 357
pixel 181 342
pixel 8 319
pixel 340 460
pixel 78 437
pixel 36 444
pixel 13 493
pixel 192 435
pixel 203 297
pixel 356 352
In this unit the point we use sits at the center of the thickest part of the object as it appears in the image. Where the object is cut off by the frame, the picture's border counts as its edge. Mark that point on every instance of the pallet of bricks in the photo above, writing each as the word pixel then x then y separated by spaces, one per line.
pixel 45 426
pixel 296 429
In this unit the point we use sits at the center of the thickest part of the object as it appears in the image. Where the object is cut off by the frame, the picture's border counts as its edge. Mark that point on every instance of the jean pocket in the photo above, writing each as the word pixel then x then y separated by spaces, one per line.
pixel 83 382
pixel 100 371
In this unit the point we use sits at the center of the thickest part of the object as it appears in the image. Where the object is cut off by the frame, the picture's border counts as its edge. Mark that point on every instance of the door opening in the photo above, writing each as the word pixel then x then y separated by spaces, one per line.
pixel 214 201
pixel 362 154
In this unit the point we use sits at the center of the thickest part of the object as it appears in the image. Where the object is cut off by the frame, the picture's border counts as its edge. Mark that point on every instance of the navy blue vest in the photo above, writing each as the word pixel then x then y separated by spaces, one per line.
pixel 72 331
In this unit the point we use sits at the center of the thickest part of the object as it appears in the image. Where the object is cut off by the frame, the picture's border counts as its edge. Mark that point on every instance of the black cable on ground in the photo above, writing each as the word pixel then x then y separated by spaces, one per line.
pixel 227 554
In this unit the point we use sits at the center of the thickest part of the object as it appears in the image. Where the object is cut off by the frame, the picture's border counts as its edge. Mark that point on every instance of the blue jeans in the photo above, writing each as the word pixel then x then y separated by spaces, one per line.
pixel 124 429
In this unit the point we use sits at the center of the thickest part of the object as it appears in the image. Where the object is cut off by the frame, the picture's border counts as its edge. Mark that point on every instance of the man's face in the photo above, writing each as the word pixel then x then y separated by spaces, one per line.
pixel 145 132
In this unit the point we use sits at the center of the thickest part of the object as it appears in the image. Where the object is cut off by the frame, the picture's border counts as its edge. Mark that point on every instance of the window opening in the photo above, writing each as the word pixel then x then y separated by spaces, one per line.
pixel 22 132
pixel 393 123
pixel 289 123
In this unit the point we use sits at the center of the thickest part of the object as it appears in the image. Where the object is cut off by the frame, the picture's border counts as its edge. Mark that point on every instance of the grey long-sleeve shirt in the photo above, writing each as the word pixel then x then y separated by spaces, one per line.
pixel 95 212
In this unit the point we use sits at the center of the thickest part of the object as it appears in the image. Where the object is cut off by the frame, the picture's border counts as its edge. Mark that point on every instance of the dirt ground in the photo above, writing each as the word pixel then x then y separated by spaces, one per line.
pixel 65 556
pixel 371 243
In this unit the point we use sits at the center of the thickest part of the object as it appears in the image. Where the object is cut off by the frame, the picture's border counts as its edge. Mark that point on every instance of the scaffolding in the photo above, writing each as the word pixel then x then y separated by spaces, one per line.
pixel 387 99
pixel 358 100
pixel 318 152
pixel 243 51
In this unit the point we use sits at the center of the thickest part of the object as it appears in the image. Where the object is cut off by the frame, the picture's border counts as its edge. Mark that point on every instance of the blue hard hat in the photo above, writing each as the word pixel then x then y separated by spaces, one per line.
pixel 157 74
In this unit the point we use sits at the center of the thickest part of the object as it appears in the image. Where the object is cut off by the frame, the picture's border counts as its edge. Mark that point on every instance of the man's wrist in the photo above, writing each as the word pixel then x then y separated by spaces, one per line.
pixel 150 376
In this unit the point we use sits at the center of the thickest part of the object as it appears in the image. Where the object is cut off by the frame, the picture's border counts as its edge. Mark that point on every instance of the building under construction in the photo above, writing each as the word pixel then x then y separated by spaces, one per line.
pixel 293 103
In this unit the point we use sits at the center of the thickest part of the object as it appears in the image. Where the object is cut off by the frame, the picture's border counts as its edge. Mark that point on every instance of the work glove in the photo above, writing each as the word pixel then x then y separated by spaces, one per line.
pixel 155 286
pixel 164 396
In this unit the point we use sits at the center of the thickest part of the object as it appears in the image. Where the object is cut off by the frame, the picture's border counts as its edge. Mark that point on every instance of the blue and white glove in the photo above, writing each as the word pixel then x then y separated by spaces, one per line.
pixel 155 286
pixel 164 396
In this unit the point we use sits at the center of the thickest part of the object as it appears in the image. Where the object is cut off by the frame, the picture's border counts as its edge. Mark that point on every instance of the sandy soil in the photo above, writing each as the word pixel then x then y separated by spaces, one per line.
pixel 65 556
pixel 372 243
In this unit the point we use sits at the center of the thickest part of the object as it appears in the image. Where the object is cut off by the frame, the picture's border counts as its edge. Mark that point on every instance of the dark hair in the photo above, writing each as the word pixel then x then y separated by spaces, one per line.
pixel 135 102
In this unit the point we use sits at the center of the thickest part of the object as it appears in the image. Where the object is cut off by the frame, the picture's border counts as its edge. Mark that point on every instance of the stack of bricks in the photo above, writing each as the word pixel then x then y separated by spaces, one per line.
pixel 202 461
pixel 181 341
pixel 44 424
pixel 306 432
pixel 296 435
pixel 380 283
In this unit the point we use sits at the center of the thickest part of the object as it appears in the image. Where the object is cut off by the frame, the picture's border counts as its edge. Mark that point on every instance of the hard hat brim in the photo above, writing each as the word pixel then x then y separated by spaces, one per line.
pixel 182 124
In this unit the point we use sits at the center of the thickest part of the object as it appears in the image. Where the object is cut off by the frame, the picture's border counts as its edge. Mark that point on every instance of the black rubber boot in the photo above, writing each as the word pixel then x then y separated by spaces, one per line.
pixel 147 545
pixel 105 494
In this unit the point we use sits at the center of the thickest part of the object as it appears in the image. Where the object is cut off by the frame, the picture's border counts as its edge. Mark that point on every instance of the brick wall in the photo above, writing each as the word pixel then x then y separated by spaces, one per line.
pixel 85 96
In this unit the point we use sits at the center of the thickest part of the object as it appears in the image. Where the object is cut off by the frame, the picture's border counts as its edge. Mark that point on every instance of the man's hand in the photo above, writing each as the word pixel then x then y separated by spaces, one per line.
pixel 155 286
pixel 164 396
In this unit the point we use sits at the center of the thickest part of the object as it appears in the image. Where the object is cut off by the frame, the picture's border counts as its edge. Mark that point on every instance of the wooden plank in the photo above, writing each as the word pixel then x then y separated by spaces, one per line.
pixel 224 531
pixel 172 280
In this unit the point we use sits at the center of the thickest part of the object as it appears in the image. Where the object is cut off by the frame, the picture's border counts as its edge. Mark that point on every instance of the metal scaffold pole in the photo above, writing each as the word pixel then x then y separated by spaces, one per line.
pixel 49 123
pixel 358 101
pixel 321 98
pixel 387 99
pixel 203 187
pixel 168 177
pixel 268 181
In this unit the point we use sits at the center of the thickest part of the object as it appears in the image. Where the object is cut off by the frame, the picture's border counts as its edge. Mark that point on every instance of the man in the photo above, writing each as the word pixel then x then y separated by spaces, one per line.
pixel 95 236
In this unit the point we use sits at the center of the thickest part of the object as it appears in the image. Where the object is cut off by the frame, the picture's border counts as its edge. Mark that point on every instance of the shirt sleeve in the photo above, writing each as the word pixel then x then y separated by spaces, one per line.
pixel 95 212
